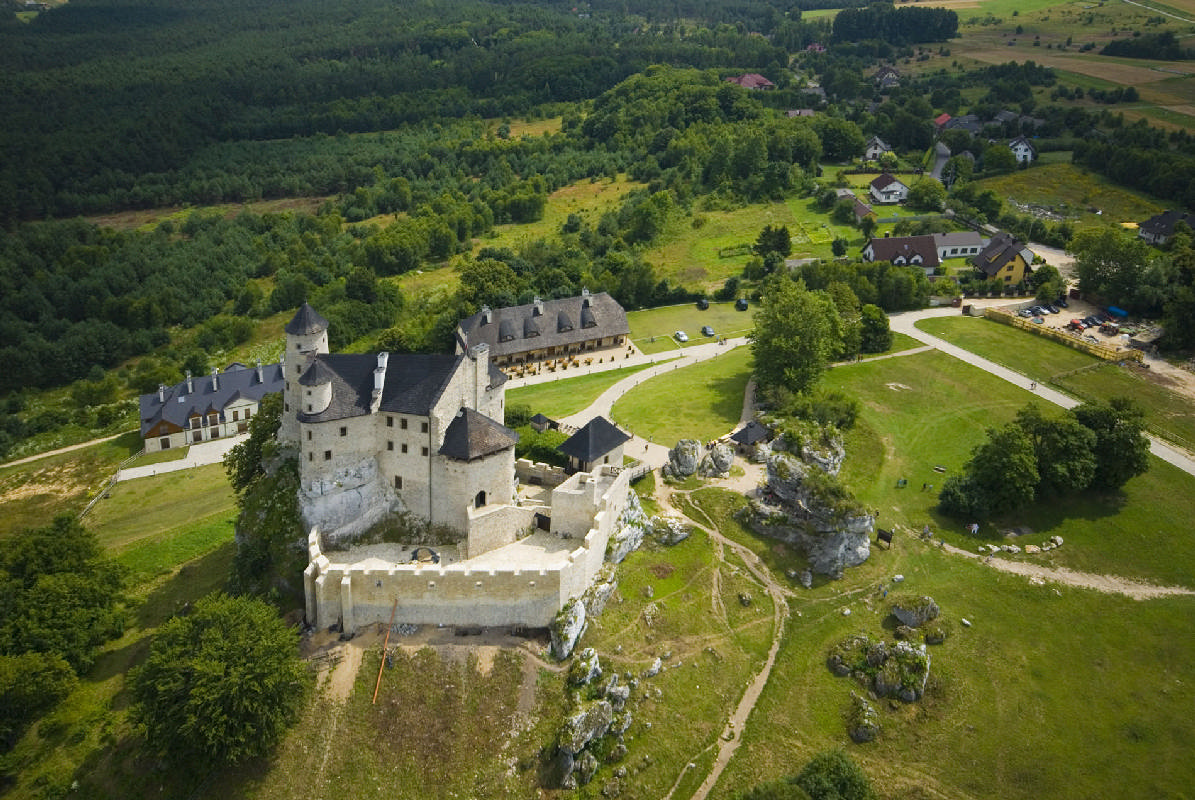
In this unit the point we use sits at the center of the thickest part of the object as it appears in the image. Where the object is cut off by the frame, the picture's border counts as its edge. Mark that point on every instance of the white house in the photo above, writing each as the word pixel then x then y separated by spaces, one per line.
pixel 887 189
pixel 875 148
pixel 214 406
pixel 958 245
pixel 1023 149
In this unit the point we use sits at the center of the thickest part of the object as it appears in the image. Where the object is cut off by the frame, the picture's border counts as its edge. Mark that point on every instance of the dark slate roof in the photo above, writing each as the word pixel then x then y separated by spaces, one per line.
pixel 317 374
pixel 1002 249
pixel 555 325
pixel 414 381
pixel 306 321
pixel 598 437
pixel 750 433
pixel 540 419
pixel 884 181
pixel 894 247
pixel 1163 224
pixel 472 435
pixel 234 383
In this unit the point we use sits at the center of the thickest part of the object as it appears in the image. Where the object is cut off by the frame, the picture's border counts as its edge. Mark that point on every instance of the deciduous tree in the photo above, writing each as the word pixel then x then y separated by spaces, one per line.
pixel 796 334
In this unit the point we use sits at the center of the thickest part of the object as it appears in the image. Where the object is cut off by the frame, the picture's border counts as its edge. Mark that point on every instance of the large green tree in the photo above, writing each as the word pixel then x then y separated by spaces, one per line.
pixel 796 334
pixel 221 684
pixel 834 776
pixel 1109 263
pixel 875 332
pixel 1121 447
pixel 1064 449
pixel 1001 476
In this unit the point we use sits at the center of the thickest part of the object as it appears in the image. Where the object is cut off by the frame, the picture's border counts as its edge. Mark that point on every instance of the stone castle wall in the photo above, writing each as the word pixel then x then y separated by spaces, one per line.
pixel 354 596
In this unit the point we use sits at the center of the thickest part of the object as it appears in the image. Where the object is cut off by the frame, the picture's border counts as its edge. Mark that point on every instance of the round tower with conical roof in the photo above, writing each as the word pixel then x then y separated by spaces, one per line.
pixel 306 338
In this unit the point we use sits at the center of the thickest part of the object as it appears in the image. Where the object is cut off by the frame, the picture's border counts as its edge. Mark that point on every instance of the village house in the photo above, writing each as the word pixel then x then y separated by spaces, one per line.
pixel 215 406
pixel 543 329
pixel 886 77
pixel 875 148
pixel 917 251
pixel 753 81
pixel 888 189
pixel 958 245
pixel 1158 229
pixel 597 444
pixel 1005 258
pixel 1023 149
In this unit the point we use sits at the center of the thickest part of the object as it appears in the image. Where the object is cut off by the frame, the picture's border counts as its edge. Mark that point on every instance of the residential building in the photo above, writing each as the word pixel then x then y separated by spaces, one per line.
pixel 753 81
pixel 544 329
pixel 918 251
pixel 1159 228
pixel 1005 258
pixel 214 406
pixel 1023 149
pixel 875 148
pixel 888 189
pixel 958 245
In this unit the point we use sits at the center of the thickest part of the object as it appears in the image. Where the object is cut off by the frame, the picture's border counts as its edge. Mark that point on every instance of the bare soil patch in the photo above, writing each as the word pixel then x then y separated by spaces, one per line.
pixel 662 571
pixel 130 220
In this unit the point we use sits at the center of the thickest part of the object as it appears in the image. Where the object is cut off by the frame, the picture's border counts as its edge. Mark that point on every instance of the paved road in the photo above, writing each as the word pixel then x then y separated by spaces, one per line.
pixel 198 455
pixel 906 323
pixel 941 156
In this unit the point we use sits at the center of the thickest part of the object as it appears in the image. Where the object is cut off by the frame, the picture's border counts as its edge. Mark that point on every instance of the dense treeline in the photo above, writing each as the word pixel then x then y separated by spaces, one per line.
pixel 903 25
pixel 1163 46
pixel 1143 157
pixel 112 102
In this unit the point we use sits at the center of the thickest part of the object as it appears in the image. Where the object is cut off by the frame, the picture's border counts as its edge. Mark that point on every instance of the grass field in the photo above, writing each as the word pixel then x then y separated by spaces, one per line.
pixel 662 323
pixel 567 396
pixel 1169 414
pixel 1072 191
pixel 700 402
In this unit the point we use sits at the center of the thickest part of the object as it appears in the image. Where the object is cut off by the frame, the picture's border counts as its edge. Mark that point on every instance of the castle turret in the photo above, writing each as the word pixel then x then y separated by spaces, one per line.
pixel 306 337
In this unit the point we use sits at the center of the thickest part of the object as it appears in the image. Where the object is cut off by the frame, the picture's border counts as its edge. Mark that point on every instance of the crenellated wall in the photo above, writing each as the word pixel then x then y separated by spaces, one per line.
pixel 353 595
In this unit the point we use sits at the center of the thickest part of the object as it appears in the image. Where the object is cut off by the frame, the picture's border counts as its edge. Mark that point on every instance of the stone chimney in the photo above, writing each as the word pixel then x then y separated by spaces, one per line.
pixel 215 379
pixel 261 378
pixel 190 385
pixel 539 307
pixel 584 297
pixel 379 381
pixel 161 393
pixel 487 316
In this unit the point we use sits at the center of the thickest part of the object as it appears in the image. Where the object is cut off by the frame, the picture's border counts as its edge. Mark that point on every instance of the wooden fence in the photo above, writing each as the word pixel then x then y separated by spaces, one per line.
pixel 1108 352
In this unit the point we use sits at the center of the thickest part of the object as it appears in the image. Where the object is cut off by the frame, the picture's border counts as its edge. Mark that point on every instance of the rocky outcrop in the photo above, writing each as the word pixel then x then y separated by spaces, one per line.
pixel 915 611
pixel 897 669
pixel 716 462
pixel 683 459
pixel 348 503
pixel 808 508
pixel 862 721
pixel 669 530
pixel 567 628
pixel 600 592
pixel 630 528
pixel 587 722
pixel 587 667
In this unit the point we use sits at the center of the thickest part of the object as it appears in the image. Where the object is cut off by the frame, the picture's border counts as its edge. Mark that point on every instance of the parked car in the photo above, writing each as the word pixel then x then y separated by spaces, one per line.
pixel 1091 321
pixel 681 336
pixel 1053 309
pixel 740 304
pixel 1025 312
pixel 1061 302
pixel 703 304
pixel 706 330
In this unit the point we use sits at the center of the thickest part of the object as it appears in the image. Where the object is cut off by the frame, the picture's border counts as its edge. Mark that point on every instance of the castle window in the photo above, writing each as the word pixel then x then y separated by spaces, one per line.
pixel 389 445
pixel 309 407
pixel 404 447
pixel 286 406
pixel 424 453
pixel 398 481
pixel 311 456
pixel 344 431
pixel 403 423
pixel 327 455
pixel 297 368
pixel 423 427
pixel 309 436
pixel 389 422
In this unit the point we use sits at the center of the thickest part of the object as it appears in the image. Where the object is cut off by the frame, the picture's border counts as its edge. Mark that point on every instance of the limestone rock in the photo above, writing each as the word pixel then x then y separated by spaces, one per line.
pixel 630 528
pixel 915 611
pixel 600 592
pixel 669 530
pixel 348 502
pixel 863 721
pixel 717 461
pixel 683 459
pixel 1056 541
pixel 806 578
pixel 828 454
pixel 586 668
pixel 562 770
pixel 654 669
pixel 586 768
pixel 588 722
pixel 567 628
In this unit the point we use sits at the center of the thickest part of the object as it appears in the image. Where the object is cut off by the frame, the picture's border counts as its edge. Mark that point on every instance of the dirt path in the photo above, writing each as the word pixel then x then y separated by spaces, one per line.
pixel 1109 584
pixel 60 450
pixel 728 741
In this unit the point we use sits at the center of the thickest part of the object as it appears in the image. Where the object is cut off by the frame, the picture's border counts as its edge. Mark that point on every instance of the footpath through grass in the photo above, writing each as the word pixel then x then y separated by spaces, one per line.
pixel 1087 378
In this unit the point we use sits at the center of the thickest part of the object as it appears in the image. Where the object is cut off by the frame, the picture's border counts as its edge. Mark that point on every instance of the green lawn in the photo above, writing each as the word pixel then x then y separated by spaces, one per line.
pixel 662 323
pixel 700 402
pixel 566 396
pixel 929 410
pixel 1168 413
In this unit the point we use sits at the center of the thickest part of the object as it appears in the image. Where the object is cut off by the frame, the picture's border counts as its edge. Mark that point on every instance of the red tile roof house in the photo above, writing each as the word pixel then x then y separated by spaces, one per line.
pixel 915 251
pixel 887 189
pixel 752 80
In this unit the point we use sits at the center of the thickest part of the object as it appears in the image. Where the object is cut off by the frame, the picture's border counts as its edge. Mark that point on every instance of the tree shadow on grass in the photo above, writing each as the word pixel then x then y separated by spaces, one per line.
pixel 195 579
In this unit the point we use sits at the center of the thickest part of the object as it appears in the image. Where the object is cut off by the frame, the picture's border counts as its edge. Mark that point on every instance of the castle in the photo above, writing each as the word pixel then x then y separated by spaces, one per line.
pixel 419 435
